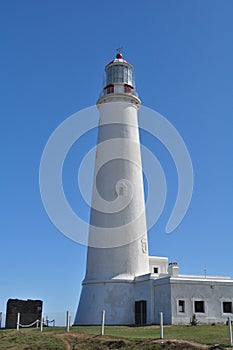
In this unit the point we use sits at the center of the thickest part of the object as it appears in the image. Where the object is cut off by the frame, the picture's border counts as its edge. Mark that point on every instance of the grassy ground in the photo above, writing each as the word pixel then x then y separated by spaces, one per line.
pixel 116 337
pixel 204 334
pixel 30 339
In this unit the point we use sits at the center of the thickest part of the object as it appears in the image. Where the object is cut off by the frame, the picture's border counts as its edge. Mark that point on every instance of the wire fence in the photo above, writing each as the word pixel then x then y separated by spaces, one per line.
pixel 50 319
pixel 43 322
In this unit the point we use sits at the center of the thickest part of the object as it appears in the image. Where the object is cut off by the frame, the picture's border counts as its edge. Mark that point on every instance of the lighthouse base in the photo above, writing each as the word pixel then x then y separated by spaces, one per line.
pixel 140 300
pixel 118 298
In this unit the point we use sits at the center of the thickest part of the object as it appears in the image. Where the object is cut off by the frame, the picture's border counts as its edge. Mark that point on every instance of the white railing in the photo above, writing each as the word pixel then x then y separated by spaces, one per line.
pixel 37 322
pixel 41 322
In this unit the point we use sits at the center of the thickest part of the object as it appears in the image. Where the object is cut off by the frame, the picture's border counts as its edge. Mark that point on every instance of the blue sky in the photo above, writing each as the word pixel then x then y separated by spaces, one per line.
pixel 53 55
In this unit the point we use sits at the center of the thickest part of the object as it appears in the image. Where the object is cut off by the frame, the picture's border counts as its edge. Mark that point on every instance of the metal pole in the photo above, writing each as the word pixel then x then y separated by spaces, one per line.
pixel 67 321
pixel 18 319
pixel 41 323
pixel 0 319
pixel 161 324
pixel 230 331
pixel 102 322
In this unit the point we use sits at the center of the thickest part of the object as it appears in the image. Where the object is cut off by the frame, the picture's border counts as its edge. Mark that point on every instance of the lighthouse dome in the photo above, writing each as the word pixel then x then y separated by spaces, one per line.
pixel 119 71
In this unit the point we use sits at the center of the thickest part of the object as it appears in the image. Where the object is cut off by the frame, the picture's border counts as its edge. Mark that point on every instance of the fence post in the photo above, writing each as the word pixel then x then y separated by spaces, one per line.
pixel 161 324
pixel 41 323
pixel 102 322
pixel 18 321
pixel 230 331
pixel 67 321
pixel 0 319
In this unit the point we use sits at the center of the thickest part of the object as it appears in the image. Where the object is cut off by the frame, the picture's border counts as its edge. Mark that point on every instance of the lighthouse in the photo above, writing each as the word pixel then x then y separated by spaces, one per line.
pixel 132 287
pixel 118 249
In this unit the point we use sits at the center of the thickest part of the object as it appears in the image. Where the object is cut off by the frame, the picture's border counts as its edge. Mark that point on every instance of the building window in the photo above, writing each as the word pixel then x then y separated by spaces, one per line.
pixel 156 270
pixel 121 191
pixel 128 89
pixel 199 306
pixel 181 306
pixel 227 307
pixel 109 89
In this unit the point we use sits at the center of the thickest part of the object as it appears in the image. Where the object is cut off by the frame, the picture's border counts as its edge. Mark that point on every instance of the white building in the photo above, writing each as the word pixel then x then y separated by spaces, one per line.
pixel 121 278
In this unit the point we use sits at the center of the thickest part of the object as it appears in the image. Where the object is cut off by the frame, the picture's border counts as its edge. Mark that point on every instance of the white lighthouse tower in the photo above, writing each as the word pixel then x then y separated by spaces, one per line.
pixel 118 250
pixel 121 278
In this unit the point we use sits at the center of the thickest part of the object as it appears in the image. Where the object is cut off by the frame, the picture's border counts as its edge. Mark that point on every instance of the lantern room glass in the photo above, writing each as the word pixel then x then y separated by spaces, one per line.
pixel 119 73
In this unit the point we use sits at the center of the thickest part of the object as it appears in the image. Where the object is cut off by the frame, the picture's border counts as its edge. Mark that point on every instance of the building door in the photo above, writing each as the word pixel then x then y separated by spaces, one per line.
pixel 140 312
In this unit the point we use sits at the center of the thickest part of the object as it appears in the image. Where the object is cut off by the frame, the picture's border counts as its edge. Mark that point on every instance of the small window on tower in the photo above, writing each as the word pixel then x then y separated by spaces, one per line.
pixel 181 306
pixel 156 270
pixel 121 191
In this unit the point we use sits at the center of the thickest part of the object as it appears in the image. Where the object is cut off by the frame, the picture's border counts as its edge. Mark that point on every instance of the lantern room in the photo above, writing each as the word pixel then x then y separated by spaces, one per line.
pixel 119 77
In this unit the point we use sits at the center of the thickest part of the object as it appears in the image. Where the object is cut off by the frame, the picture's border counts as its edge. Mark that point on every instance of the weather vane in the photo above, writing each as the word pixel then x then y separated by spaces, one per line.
pixel 119 49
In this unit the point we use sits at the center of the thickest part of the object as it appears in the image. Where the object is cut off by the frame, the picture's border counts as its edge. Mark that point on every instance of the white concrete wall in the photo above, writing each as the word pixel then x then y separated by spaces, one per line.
pixel 117 299
pixel 162 300
pixel 161 294
pixel 160 262
pixel 211 292
pixel 144 291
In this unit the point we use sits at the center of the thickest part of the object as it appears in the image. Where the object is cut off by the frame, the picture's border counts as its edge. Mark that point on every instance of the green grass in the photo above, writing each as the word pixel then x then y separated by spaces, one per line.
pixel 29 339
pixel 51 338
pixel 204 334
